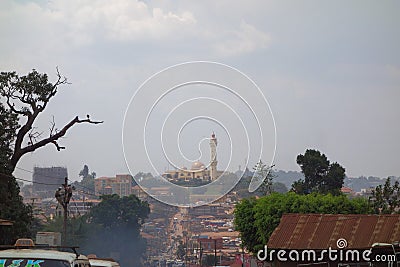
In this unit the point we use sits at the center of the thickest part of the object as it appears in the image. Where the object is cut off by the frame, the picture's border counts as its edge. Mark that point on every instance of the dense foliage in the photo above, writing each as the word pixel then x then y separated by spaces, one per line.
pixel 256 219
pixel 78 229
pixel 263 178
pixel 386 198
pixel 87 182
pixel 321 176
pixel 118 221
pixel 11 205
pixel 110 228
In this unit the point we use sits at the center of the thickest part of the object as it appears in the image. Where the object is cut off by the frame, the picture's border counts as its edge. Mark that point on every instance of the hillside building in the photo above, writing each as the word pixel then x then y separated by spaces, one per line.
pixel 198 170
pixel 47 180
pixel 121 185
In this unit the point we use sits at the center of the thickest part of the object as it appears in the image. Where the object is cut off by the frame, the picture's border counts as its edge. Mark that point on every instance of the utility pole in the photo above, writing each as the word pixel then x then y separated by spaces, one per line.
pixel 201 253
pixel 186 251
pixel 242 256
pixel 215 252
pixel 65 207
pixel 63 196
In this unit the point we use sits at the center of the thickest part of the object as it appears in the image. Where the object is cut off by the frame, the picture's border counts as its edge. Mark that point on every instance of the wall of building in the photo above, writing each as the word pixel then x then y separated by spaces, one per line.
pixel 47 180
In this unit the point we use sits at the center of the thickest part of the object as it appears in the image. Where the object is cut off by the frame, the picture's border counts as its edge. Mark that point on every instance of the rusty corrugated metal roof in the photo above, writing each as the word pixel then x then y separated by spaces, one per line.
pixel 321 231
pixel 6 222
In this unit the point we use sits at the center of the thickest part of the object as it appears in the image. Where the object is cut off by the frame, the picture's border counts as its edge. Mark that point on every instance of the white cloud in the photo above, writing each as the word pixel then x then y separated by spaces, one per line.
pixel 62 25
pixel 245 40
pixel 157 25
pixel 125 20
pixel 84 22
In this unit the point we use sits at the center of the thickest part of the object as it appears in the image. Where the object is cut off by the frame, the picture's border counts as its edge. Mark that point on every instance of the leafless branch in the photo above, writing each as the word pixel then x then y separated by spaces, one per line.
pixel 28 96
pixel 33 135
pixel 18 153
pixel 52 126
pixel 61 79
pixel 88 120
pixel 57 145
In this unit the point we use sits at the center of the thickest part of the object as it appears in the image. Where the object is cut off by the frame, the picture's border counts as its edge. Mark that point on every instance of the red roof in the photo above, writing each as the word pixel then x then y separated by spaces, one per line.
pixel 321 231
pixel 346 190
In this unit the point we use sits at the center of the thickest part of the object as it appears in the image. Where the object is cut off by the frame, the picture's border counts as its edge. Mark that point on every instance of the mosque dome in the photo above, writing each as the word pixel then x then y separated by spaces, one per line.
pixel 198 166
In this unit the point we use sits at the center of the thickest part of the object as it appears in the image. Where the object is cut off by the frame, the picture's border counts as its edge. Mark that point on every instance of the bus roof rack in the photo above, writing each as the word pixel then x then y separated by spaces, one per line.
pixel 72 249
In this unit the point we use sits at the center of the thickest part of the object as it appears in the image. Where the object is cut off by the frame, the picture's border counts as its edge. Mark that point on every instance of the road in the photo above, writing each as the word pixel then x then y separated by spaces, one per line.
pixel 176 230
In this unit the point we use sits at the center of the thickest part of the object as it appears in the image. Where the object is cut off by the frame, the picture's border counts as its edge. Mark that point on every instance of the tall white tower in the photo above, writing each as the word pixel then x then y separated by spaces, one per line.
pixel 213 160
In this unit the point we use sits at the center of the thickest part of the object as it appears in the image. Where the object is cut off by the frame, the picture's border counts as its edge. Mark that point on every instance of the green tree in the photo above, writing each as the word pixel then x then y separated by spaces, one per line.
pixel 78 229
pixel 320 175
pixel 87 181
pixel 119 221
pixel 23 99
pixel 242 187
pixel 244 222
pixel 386 198
pixel 11 205
pixel 257 219
pixel 84 172
pixel 262 174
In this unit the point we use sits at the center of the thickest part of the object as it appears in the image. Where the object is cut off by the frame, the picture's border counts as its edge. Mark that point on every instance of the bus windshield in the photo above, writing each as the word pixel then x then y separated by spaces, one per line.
pixel 16 262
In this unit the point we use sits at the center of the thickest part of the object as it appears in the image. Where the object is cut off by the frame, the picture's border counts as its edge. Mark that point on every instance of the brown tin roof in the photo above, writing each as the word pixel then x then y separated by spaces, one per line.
pixel 6 222
pixel 321 231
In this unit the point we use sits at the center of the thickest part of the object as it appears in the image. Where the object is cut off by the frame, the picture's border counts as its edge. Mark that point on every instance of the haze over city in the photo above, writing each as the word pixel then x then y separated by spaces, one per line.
pixel 329 70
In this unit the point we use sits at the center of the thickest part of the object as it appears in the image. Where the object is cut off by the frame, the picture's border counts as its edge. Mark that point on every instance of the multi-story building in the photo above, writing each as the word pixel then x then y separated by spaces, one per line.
pixel 81 206
pixel 121 185
pixel 210 209
pixel 47 180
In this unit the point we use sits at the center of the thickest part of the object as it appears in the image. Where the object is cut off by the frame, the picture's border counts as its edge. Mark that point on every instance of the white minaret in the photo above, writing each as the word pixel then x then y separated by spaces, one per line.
pixel 213 160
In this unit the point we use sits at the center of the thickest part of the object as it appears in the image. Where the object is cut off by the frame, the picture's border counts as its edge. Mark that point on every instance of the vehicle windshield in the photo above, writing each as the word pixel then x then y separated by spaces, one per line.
pixel 18 262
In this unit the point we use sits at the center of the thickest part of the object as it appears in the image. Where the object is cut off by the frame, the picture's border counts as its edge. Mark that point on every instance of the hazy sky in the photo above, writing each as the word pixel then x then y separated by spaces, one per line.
pixel 330 71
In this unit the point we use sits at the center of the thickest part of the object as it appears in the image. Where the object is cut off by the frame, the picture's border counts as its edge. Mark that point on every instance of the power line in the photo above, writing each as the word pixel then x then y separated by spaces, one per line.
pixel 31 181
pixel 35 182
pixel 55 177
pixel 84 187
pixel 11 176
pixel 89 194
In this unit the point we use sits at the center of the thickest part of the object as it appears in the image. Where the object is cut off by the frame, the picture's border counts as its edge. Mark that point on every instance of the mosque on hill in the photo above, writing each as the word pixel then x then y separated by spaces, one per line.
pixel 198 170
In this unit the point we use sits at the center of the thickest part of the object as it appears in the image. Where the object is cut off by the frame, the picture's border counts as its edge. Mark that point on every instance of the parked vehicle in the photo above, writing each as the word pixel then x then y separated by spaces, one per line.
pixel 48 238
pixel 99 262
pixel 24 254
